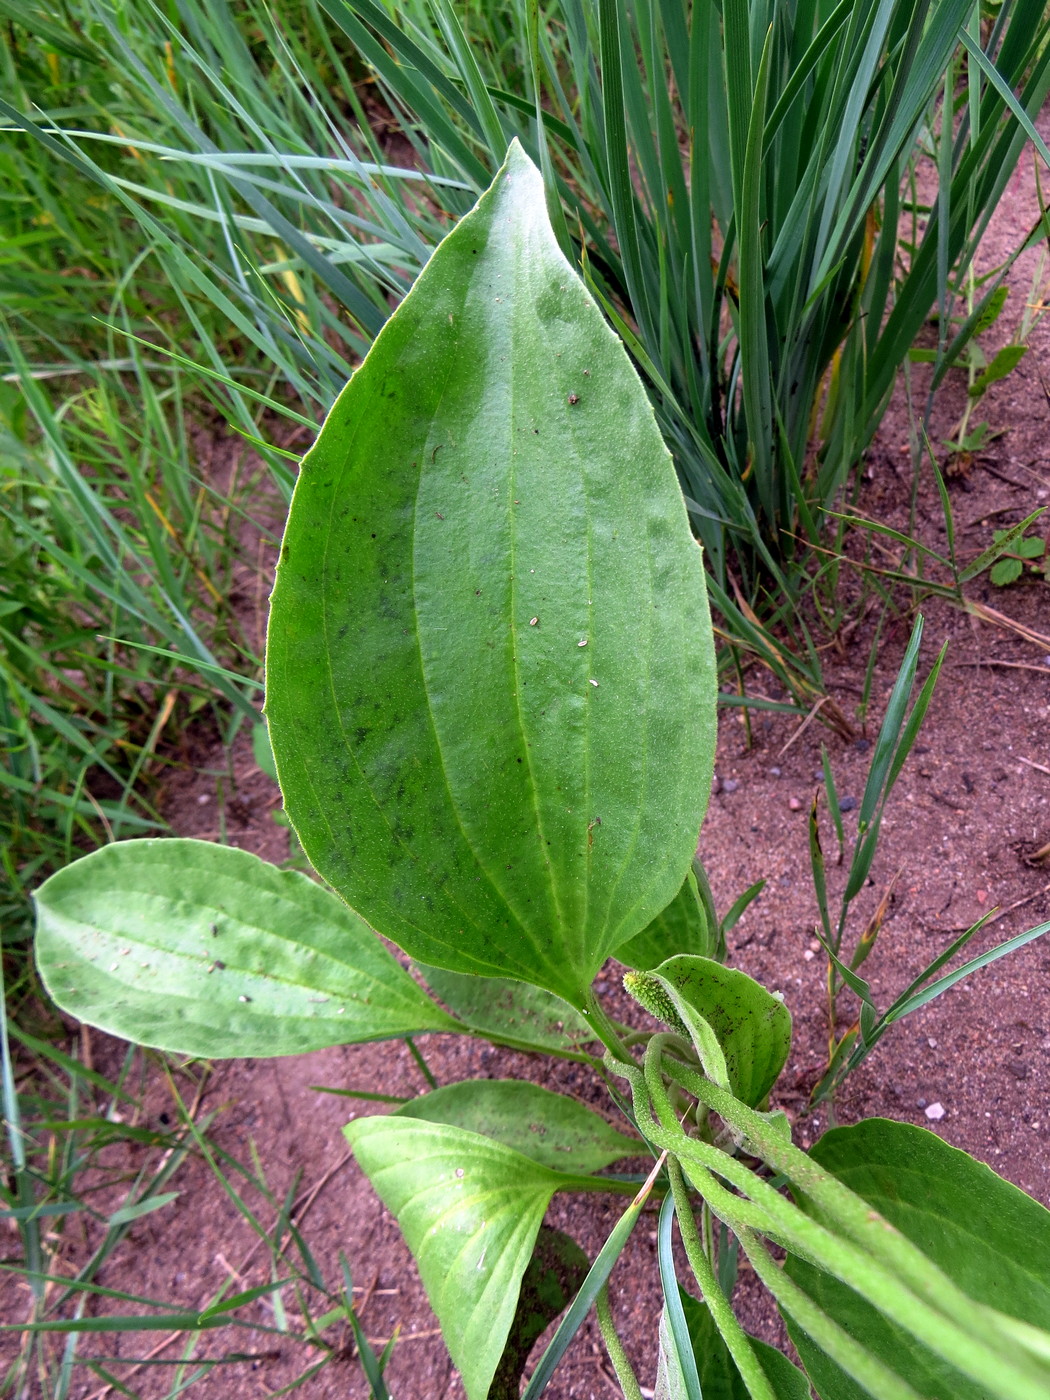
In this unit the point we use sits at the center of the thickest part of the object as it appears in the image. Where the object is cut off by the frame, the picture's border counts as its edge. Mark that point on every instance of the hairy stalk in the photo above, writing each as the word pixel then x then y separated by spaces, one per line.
pixel 621 1365
pixel 843 1349
pixel 838 1204
pixel 734 1336
pixel 605 1030
pixel 967 1337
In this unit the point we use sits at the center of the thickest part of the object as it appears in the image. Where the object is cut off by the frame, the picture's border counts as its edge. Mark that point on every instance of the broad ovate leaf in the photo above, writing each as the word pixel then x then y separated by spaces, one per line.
pixel 991 1239
pixel 718 1374
pixel 752 1027
pixel 206 950
pixel 515 1013
pixel 490 670
pixel 683 927
pixel 553 1130
pixel 469 1209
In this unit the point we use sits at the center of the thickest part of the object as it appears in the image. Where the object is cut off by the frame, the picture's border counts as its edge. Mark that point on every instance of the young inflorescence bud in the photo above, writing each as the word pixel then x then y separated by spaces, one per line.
pixel 650 992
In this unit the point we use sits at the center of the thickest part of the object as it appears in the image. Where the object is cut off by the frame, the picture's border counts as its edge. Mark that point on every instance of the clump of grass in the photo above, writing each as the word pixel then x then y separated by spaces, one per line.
pixel 732 189
pixel 87 1161
pixel 108 540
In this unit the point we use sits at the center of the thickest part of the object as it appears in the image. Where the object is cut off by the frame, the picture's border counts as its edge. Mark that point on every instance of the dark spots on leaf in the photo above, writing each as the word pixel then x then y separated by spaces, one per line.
pixel 573 399
pixel 373 536
pixel 361 733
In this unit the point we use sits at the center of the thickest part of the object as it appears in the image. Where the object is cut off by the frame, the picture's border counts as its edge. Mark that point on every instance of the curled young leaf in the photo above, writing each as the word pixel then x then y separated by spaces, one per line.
pixel 752 1027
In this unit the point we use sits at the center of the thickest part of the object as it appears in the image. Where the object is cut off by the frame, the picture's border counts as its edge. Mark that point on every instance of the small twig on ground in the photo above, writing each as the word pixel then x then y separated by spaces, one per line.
pixel 804 725
pixel 1014 665
pixel 987 614
pixel 993 918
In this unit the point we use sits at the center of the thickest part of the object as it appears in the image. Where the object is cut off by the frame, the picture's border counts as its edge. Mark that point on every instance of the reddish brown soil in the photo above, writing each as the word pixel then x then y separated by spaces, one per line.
pixel 972 803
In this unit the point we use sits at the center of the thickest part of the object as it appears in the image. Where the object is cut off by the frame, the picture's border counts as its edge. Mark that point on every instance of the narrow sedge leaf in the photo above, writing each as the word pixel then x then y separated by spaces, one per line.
pixel 677 1377
pixel 469 1209
pixel 490 683
pixel 592 1286
pixel 737 910
pixel 753 1027
pixel 553 1130
pixel 206 950
pixel 1004 540
pixel 126 1214
pixel 556 1270
pixel 989 1237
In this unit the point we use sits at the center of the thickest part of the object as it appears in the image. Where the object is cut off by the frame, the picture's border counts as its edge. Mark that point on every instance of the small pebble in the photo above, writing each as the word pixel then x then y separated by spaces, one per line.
pixel 862 745
pixel 809 955
pixel 774 772
pixel 936 1112
pixel 1017 1068
pixel 203 799
pixel 730 784
pixel 847 804
pixel 921 1103
pixel 818 775
pixel 931 1042
pixel 794 804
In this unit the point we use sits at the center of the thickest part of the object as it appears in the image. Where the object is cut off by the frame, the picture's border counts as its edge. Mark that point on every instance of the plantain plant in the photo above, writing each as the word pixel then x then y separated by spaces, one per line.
pixel 491 699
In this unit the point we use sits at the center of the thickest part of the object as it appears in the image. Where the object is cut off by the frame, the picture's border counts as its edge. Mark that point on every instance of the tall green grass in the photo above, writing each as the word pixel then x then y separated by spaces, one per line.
pixel 729 180
pixel 109 541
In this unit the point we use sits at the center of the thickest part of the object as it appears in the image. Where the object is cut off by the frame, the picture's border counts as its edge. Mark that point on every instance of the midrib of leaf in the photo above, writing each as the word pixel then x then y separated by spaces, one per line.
pixel 641 806
pixel 533 787
pixel 140 941
pixel 328 654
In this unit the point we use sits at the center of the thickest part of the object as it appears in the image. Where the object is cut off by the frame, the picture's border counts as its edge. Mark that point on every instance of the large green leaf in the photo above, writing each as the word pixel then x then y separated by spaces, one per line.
pixel 469 1209
pixel 490 685
pixel 717 1371
pixel 502 1009
pixel 553 1130
pixel 683 927
pixel 206 950
pixel 989 1237
pixel 752 1026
